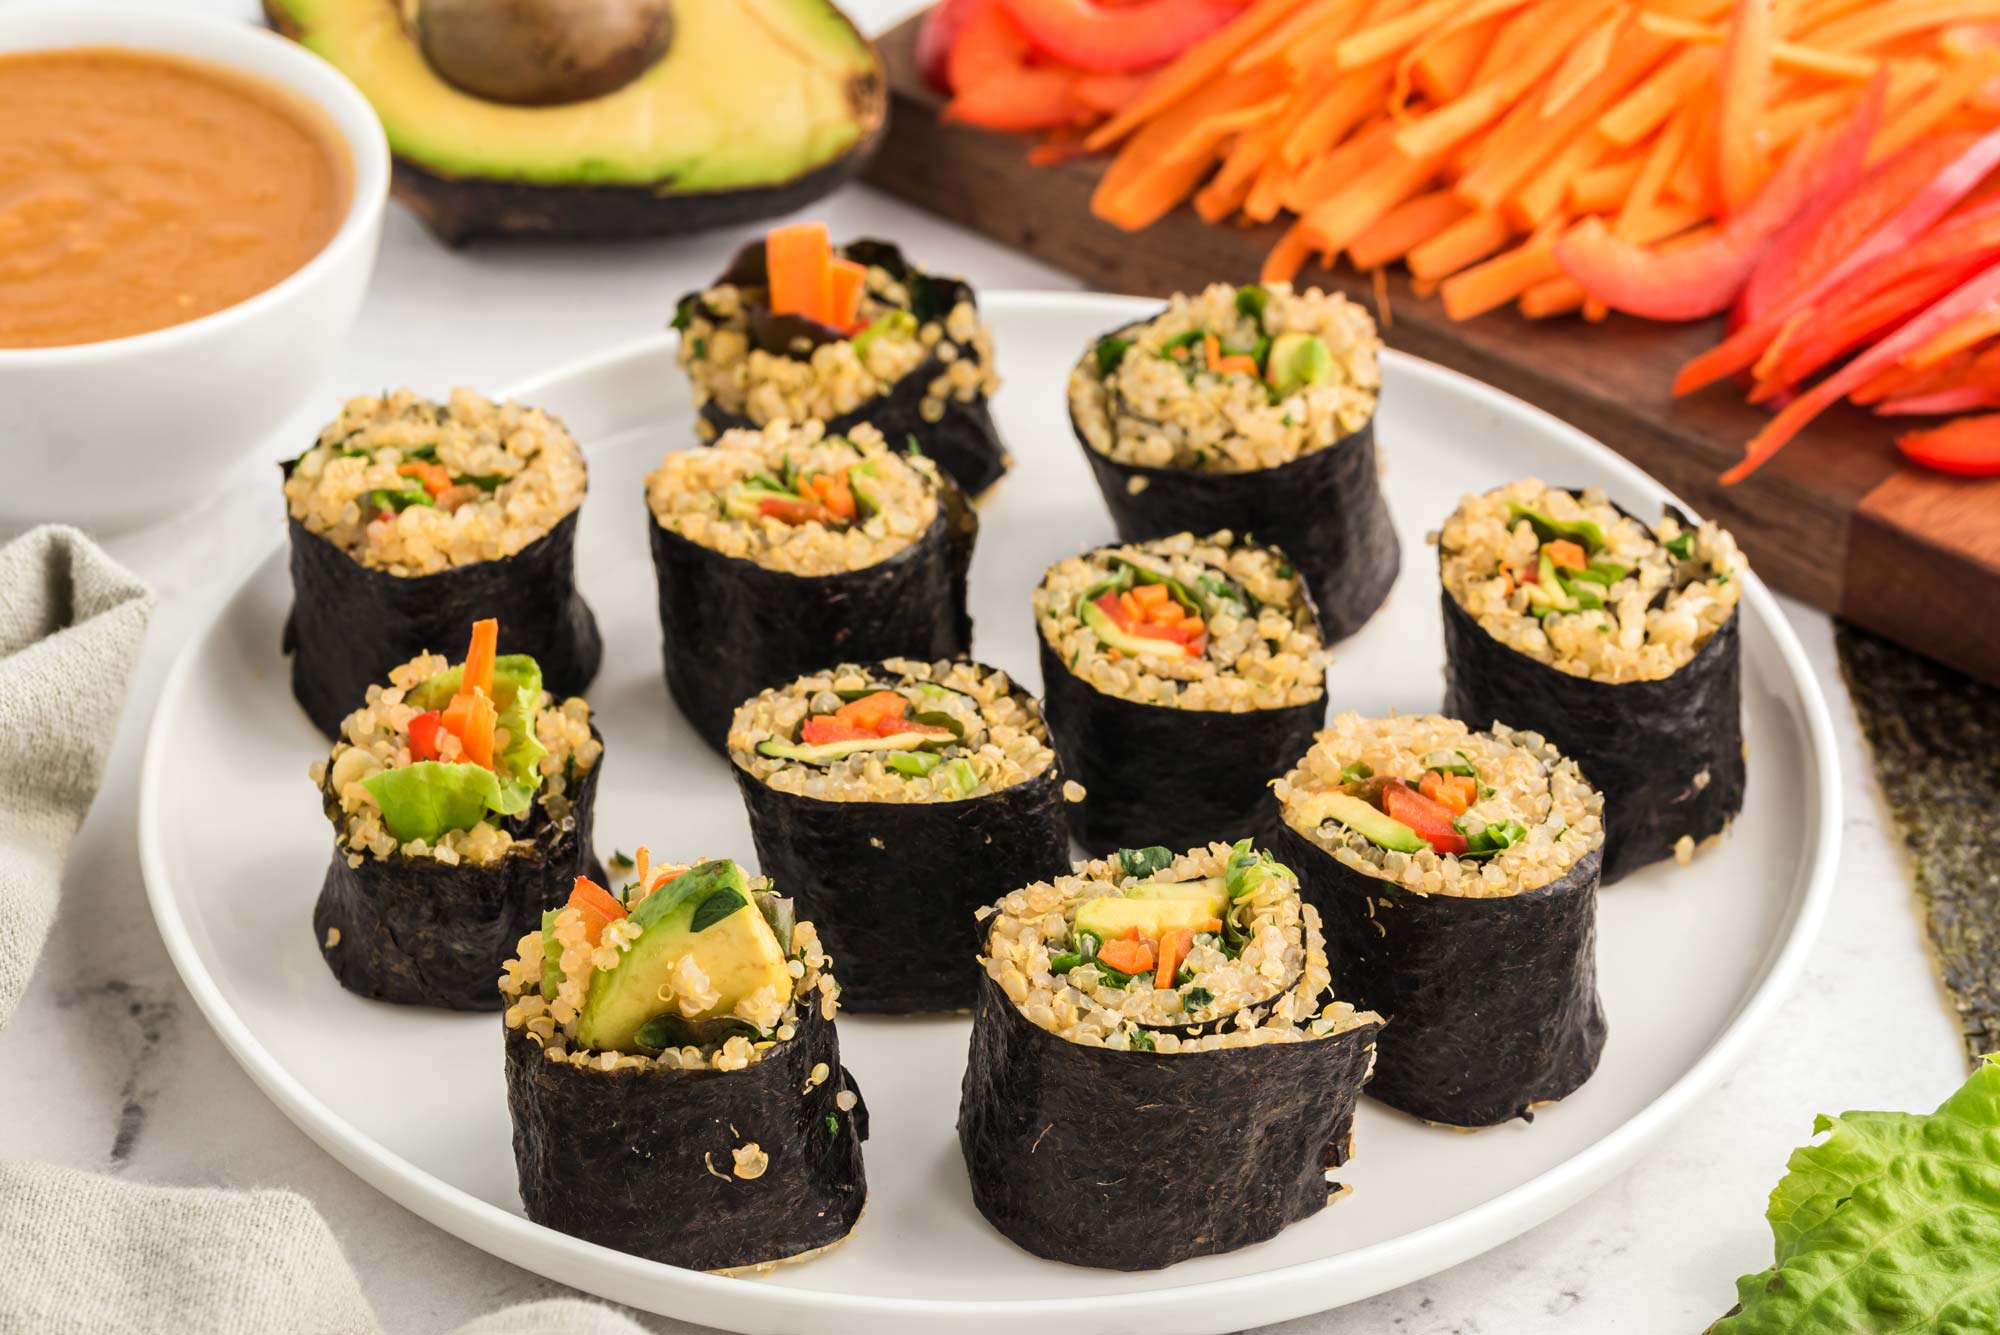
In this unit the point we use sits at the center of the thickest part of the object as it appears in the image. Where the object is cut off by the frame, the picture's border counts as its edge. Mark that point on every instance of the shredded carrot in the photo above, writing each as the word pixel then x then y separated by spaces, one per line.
pixel 1552 296
pixel 1467 241
pixel 480 655
pixel 1970 330
pixel 1741 163
pixel 846 282
pixel 799 258
pixel 1408 225
pixel 1599 189
pixel 1666 91
pixel 1784 55
pixel 1442 68
pixel 1487 286
pixel 1585 61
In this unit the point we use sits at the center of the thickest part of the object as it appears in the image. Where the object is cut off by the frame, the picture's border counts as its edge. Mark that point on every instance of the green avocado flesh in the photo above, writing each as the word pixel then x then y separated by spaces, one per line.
pixel 1115 916
pixel 1581 531
pixel 1377 827
pixel 747 95
pixel 819 753
pixel 737 950
pixel 1112 636
pixel 1297 360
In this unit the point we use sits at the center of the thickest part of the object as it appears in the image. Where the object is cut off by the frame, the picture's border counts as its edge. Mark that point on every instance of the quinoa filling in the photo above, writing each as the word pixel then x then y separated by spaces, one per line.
pixel 754 363
pixel 1571 581
pixel 690 967
pixel 1186 622
pixel 795 499
pixel 1128 951
pixel 1229 380
pixel 413 487
pixel 908 732
pixel 1429 804
pixel 461 764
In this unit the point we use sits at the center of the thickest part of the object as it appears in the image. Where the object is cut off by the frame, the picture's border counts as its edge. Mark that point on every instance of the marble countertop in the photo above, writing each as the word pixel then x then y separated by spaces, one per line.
pixel 109 1066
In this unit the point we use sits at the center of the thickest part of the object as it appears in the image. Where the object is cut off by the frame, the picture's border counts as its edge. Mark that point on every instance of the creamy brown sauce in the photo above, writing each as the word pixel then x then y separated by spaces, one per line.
pixel 140 190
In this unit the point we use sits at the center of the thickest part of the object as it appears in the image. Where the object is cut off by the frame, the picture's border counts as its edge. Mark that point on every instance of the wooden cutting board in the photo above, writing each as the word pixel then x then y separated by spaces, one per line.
pixel 1835 520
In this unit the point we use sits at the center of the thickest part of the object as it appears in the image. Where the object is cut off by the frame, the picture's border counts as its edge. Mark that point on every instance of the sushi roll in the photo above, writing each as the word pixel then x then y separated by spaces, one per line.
pixel 411 519
pixel 674 1076
pixel 1251 409
pixel 1456 872
pixel 894 800
pixel 1179 677
pixel 1615 639
pixel 797 330
pixel 459 796
pixel 1158 1068
pixel 781 550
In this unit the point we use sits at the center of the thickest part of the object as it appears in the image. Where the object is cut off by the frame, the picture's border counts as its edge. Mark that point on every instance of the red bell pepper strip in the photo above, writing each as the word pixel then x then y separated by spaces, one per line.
pixel 1977 294
pixel 939 34
pixel 424 730
pixel 823 728
pixel 1039 97
pixel 1815 339
pixel 1692 281
pixel 988 43
pixel 1116 39
pixel 1941 402
pixel 1835 223
pixel 1895 233
pixel 1965 446
pixel 1431 820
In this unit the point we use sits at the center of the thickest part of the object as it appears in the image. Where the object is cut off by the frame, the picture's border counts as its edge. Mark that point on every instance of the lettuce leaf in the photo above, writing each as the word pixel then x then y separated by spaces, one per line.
pixel 430 797
pixel 1889 1225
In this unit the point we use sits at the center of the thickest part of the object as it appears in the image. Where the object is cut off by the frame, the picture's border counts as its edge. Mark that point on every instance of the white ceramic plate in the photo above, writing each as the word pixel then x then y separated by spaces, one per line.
pixel 412 1100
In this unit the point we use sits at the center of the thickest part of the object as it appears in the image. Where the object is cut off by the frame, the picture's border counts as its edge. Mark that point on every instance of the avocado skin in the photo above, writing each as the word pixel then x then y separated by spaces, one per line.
pixel 1136 1160
pixel 419 933
pixel 622 1158
pixel 460 208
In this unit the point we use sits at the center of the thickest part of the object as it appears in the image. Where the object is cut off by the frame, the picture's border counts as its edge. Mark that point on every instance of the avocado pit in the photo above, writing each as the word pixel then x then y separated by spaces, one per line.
pixel 542 52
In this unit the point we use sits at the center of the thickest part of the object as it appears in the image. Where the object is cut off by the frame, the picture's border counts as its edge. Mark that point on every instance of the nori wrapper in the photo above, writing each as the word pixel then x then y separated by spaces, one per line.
pixel 877 876
pixel 730 627
pixel 1181 778
pixel 640 1160
pixel 1325 509
pixel 964 440
pixel 351 624
pixel 1491 1004
pixel 420 933
pixel 1136 1160
pixel 1666 754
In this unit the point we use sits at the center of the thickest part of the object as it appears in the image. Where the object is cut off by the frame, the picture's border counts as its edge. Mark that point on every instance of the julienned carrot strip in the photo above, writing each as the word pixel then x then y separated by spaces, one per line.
pixel 1467 241
pixel 479 656
pixel 1585 61
pixel 1496 282
pixel 1959 81
pixel 1880 24
pixel 1335 224
pixel 1381 40
pixel 1202 139
pixel 845 283
pixel 1545 193
pixel 1692 180
pixel 1405 227
pixel 1313 183
pixel 1971 329
pixel 1551 296
pixel 1432 134
pixel 1344 104
pixel 1281 38
pixel 1599 189
pixel 1666 91
pixel 1142 184
pixel 1443 69
pixel 799 257
pixel 481 720
pixel 1745 87
pixel 1286 258
pixel 1784 55
pixel 1191 69
pixel 1230 186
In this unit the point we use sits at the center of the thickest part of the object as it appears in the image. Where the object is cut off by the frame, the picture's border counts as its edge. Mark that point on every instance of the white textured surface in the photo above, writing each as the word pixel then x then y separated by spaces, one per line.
pixel 139 1085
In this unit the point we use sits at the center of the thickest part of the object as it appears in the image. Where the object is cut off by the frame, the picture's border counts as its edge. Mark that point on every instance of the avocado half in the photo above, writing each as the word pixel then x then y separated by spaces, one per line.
pixel 756 108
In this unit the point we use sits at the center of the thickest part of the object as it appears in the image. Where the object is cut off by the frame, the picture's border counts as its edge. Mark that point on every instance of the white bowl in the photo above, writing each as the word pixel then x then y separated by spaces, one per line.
pixel 114 434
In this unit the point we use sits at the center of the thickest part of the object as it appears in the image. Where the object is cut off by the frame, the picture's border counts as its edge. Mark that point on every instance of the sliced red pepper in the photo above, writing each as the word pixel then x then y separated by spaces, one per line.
pixel 824 728
pixel 1978 293
pixel 942 25
pixel 1835 223
pixel 1897 232
pixel 1113 39
pixel 788 511
pixel 988 43
pixel 1691 281
pixel 424 730
pixel 1941 402
pixel 1965 446
pixel 1431 820
pixel 1821 337
pixel 1039 97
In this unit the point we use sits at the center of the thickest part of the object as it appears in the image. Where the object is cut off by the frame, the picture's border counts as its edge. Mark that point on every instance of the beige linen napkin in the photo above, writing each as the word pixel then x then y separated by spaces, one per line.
pixel 91 1255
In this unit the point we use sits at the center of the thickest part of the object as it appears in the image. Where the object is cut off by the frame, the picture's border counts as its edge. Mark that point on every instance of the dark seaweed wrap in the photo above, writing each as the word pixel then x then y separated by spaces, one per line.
pixel 876 876
pixel 1666 754
pixel 420 933
pixel 1325 509
pixel 1151 774
pixel 640 1160
pixel 1136 1160
pixel 964 440
pixel 1491 1003
pixel 351 624
pixel 730 627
